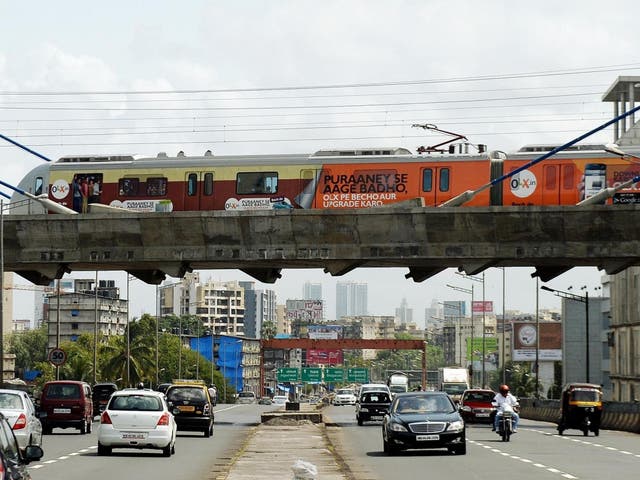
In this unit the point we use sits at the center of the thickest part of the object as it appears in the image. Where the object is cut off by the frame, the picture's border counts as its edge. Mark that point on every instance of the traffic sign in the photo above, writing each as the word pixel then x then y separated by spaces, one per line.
pixel 359 375
pixel 57 357
pixel 288 374
pixel 334 375
pixel 311 374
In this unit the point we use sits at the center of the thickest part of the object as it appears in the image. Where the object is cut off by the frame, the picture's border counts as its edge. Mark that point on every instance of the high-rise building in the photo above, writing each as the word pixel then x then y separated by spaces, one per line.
pixel 312 291
pixel 259 307
pixel 351 299
pixel 404 314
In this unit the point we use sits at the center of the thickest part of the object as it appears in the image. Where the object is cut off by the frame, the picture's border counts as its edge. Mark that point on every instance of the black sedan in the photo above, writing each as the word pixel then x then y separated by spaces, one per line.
pixel 420 420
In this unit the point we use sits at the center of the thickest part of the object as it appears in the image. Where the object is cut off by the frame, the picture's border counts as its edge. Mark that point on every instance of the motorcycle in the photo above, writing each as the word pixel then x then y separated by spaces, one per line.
pixel 505 422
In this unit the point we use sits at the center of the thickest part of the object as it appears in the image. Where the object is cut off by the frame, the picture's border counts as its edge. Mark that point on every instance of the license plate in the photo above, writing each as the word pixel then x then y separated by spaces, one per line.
pixel 427 438
pixel 482 414
pixel 376 417
pixel 186 408
pixel 134 436
pixel 61 410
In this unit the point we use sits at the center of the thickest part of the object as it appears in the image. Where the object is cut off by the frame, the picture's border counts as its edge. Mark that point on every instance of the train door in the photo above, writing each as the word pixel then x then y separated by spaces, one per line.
pixel 560 186
pixel 198 191
pixel 309 179
pixel 436 185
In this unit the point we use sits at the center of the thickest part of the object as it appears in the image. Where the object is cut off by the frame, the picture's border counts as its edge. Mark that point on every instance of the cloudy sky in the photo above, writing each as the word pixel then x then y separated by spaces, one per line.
pixel 239 77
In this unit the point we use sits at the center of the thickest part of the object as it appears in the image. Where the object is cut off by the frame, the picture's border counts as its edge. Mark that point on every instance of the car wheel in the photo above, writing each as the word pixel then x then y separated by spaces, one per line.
pixel 166 451
pixel 360 422
pixel 89 426
pixel 83 427
pixel 47 430
pixel 102 450
pixel 173 449
pixel 207 432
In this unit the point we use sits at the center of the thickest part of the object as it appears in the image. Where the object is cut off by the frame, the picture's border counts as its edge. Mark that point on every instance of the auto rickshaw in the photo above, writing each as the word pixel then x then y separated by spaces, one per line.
pixel 581 408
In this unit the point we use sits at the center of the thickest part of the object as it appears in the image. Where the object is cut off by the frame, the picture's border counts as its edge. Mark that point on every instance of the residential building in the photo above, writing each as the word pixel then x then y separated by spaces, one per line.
pixel 83 311
pixel 259 307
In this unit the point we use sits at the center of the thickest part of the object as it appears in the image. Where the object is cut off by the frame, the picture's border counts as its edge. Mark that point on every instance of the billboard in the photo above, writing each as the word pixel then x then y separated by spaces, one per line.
pixel 325 332
pixel 480 307
pixel 304 310
pixel 491 355
pixel 525 340
pixel 324 357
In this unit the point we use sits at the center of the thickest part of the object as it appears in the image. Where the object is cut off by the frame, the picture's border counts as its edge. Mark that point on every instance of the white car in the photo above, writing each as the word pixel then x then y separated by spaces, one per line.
pixel 137 418
pixel 344 396
pixel 280 399
pixel 20 412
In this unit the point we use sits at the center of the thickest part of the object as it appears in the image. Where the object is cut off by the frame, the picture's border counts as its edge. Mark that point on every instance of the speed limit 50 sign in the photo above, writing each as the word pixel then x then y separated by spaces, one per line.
pixel 57 357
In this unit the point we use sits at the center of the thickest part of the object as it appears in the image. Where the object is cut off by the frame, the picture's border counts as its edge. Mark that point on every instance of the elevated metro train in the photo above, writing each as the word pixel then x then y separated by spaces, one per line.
pixel 327 179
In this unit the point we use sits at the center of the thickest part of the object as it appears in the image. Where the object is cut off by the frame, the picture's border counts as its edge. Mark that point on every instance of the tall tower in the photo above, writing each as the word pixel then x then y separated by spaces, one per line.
pixel 351 299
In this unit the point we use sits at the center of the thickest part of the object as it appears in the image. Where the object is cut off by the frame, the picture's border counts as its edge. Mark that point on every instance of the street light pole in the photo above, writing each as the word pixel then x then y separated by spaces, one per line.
pixel 583 299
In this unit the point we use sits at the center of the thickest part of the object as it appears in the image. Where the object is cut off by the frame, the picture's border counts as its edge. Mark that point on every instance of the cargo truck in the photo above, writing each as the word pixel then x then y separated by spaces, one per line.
pixel 398 382
pixel 454 381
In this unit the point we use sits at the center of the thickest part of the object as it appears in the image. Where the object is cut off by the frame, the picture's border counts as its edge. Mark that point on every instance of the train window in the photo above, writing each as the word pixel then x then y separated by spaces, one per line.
pixel 427 180
pixel 156 187
pixel 192 184
pixel 568 177
pixel 444 179
pixel 38 186
pixel 128 187
pixel 248 183
pixel 550 177
pixel 207 188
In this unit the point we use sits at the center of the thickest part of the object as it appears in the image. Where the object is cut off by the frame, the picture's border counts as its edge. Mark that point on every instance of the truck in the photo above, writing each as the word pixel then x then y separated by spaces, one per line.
pixel 398 382
pixel 454 381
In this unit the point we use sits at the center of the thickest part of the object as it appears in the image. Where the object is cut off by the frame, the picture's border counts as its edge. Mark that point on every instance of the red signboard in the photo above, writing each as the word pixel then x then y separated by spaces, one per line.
pixel 480 307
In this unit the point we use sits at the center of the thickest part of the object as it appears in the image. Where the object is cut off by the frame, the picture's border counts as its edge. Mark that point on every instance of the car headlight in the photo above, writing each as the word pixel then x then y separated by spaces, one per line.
pixel 456 426
pixel 364 409
pixel 397 427
pixel 465 408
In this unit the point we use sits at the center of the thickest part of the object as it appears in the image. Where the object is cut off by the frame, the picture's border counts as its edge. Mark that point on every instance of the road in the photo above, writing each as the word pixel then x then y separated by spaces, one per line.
pixel 535 452
pixel 72 456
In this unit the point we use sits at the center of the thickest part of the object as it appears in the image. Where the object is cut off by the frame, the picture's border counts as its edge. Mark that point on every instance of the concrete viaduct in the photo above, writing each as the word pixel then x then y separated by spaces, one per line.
pixel 262 243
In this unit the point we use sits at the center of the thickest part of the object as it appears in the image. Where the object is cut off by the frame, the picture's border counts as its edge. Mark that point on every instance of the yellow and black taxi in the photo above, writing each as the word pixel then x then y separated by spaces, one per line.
pixel 191 406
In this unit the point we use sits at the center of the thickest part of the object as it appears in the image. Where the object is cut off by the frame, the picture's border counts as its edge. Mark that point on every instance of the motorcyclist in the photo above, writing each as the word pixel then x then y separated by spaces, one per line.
pixel 502 398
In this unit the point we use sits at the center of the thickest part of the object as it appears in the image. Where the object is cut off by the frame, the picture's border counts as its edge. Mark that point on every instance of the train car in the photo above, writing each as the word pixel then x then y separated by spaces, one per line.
pixel 327 179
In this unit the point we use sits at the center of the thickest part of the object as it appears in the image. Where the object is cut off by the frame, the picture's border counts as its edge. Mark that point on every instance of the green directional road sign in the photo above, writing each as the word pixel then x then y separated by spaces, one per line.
pixel 311 374
pixel 334 375
pixel 359 375
pixel 288 374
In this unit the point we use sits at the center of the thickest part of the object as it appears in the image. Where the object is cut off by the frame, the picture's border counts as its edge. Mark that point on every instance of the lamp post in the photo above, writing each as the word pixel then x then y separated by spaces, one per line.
pixel 583 299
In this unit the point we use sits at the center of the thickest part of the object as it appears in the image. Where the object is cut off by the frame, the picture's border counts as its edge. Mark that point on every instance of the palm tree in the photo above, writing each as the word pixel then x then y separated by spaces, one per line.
pixel 141 354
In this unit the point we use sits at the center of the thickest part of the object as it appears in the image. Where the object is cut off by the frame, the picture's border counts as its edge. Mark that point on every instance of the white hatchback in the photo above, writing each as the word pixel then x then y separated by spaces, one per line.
pixel 20 412
pixel 137 418
pixel 344 396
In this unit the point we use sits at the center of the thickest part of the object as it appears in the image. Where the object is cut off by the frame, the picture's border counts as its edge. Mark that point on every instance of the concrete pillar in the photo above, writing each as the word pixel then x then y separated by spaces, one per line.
pixel 616 126
pixel 632 118
pixel 624 120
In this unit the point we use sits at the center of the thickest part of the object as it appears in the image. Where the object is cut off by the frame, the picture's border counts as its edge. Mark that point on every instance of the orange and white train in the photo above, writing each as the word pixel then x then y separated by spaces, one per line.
pixel 361 178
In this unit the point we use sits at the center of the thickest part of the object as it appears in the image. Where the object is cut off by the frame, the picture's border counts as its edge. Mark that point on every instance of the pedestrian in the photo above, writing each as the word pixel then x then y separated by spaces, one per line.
pixel 77 194
pixel 84 190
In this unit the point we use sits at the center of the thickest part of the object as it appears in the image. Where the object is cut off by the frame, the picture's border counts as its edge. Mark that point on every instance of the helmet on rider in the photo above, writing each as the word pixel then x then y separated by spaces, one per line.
pixel 504 389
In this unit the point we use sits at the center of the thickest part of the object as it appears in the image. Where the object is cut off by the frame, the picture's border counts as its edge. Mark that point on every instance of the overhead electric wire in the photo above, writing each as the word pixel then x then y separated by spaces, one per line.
pixel 508 76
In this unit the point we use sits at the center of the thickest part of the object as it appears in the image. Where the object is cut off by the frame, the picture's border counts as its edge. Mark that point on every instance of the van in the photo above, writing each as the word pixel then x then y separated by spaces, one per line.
pixel 66 404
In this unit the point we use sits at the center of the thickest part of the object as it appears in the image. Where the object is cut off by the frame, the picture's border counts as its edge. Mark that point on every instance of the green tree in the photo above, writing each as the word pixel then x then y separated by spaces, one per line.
pixel 268 330
pixel 29 347
pixel 142 337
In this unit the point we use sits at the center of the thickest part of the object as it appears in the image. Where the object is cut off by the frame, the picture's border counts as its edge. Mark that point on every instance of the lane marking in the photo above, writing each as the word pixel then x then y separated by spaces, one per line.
pixel 524 460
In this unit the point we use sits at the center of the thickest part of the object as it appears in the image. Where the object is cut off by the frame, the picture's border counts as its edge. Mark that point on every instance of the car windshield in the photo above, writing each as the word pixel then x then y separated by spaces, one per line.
pixel 63 391
pixel 586 395
pixel 423 404
pixel 136 402
pixel 10 401
pixel 186 394
pixel 479 397
pixel 345 392
pixel 246 395
pixel 375 397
